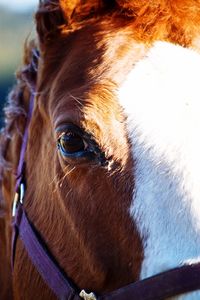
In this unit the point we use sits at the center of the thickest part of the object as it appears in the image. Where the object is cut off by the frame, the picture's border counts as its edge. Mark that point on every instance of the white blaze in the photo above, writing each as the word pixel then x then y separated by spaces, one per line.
pixel 161 97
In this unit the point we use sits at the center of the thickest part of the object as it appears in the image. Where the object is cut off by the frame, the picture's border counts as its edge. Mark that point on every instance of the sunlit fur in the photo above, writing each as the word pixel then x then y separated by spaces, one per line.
pixel 166 151
pixel 85 212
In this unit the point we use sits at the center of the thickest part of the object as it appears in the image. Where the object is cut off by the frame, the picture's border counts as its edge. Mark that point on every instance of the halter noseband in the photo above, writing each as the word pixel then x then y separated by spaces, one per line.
pixel 171 283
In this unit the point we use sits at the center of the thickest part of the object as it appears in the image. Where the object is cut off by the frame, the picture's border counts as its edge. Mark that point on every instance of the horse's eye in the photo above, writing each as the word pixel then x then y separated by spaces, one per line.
pixel 74 143
pixel 71 143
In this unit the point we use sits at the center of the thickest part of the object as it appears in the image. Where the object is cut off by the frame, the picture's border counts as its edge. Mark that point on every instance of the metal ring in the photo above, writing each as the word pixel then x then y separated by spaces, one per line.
pixel 87 296
pixel 22 192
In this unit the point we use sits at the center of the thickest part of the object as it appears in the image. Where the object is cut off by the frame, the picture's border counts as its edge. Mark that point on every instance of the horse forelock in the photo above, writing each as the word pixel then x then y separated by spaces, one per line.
pixel 150 20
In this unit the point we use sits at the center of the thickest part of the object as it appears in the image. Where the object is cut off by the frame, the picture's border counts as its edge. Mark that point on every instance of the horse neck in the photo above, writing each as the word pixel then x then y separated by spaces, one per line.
pixel 163 125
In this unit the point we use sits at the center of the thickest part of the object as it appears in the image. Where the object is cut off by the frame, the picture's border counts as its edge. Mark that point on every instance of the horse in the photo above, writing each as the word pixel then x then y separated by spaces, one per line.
pixel 100 152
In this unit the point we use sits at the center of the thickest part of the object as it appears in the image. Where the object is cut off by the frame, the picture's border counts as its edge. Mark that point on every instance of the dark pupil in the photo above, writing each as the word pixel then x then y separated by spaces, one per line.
pixel 71 143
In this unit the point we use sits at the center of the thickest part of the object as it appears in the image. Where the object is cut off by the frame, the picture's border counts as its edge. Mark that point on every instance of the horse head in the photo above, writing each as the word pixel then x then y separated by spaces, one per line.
pixel 111 165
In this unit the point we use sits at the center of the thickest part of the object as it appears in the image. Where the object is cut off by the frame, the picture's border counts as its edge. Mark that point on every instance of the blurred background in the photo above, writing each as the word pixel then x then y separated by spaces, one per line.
pixel 16 24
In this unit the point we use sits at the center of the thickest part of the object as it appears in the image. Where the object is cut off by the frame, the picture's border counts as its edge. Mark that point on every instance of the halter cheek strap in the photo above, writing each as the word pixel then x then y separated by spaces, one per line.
pixel 167 284
pixel 174 282
pixel 41 259
pixel 20 185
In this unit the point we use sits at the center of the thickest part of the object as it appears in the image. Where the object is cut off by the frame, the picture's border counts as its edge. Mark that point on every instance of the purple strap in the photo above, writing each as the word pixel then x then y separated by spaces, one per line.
pixel 20 170
pixel 171 283
pixel 41 259
pixel 167 284
pixel 20 167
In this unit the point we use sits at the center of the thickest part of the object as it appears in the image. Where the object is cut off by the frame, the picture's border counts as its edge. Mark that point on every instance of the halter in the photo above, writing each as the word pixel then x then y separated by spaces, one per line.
pixel 171 283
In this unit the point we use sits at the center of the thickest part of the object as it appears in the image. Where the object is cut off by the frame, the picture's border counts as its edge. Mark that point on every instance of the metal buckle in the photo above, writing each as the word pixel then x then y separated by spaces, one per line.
pixel 87 296
pixel 19 197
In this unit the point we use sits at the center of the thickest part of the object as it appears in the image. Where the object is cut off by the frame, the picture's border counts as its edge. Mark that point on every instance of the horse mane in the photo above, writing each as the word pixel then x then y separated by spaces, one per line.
pixel 15 110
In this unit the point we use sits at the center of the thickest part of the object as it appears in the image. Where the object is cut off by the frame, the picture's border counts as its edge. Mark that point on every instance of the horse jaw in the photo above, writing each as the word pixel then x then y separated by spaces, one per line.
pixel 161 99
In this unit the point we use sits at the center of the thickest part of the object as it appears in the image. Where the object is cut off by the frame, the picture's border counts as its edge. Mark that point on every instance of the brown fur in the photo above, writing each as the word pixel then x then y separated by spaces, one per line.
pixel 81 210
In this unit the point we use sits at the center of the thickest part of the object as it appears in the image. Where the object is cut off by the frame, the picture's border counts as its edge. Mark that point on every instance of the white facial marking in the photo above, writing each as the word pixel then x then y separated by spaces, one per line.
pixel 161 97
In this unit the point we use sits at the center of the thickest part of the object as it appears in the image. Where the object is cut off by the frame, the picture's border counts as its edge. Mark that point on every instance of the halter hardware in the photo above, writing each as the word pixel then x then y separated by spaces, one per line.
pixel 87 296
pixel 19 196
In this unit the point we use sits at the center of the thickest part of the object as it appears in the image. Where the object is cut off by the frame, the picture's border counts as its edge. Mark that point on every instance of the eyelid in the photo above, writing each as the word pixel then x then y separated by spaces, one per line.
pixel 64 133
pixel 67 127
pixel 63 129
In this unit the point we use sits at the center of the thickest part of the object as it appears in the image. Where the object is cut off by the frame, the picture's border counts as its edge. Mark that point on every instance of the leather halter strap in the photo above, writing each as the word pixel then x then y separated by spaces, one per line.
pixel 174 282
pixel 41 258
